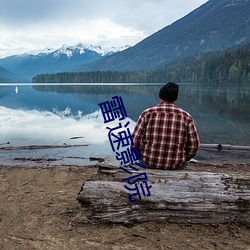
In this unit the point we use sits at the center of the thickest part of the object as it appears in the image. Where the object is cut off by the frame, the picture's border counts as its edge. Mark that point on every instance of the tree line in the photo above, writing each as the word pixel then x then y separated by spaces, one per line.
pixel 231 66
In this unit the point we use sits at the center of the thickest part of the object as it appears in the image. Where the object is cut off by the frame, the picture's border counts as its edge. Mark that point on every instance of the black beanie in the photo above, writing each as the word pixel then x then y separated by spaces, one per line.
pixel 169 92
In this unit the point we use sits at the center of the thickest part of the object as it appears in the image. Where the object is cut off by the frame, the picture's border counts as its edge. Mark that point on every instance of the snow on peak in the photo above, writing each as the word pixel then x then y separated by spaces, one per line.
pixel 81 48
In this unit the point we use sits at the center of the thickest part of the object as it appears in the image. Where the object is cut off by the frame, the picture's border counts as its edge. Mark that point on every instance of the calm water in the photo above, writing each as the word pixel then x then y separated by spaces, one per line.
pixel 54 114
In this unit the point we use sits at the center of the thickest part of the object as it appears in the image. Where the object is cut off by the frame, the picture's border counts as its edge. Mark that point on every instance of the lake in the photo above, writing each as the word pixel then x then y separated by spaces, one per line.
pixel 59 114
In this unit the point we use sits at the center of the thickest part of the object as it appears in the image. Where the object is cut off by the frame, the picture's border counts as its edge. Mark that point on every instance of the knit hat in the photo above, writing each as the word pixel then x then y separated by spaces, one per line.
pixel 169 92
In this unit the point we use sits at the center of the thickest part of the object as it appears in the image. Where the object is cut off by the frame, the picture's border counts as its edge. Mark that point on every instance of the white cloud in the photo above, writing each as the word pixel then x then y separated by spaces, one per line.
pixel 38 36
pixel 33 24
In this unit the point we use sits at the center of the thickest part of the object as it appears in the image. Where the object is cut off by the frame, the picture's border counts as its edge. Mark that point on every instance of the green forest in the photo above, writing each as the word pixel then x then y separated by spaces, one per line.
pixel 231 66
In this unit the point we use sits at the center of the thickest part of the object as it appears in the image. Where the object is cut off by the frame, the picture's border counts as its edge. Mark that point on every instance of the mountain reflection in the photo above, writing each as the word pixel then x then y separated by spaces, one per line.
pixel 53 114
pixel 228 101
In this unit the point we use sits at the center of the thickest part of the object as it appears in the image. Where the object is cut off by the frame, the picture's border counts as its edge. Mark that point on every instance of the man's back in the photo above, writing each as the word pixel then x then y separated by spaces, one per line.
pixel 166 136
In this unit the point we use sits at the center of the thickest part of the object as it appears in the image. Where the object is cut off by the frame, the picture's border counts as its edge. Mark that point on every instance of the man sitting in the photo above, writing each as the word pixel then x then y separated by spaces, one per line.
pixel 165 134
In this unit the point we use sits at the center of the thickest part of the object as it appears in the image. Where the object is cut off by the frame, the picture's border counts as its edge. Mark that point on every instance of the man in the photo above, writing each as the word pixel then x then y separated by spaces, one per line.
pixel 166 135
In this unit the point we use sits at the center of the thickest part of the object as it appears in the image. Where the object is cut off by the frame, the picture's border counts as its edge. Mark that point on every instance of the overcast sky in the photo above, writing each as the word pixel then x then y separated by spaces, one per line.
pixel 27 25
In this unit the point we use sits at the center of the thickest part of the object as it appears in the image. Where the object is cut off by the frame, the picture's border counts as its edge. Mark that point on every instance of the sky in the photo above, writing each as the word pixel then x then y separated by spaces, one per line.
pixel 32 25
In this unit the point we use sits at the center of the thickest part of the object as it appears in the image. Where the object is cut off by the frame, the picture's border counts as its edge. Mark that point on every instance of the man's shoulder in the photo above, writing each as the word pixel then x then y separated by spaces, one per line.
pixel 166 108
pixel 150 110
pixel 183 112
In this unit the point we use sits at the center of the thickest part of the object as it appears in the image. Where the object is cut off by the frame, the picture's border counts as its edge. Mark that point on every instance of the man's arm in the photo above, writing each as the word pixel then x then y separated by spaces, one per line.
pixel 139 132
pixel 193 141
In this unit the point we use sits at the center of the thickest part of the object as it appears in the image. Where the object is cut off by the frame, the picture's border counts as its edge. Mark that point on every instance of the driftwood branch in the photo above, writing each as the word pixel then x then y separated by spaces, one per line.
pixel 202 145
pixel 40 147
pixel 176 196
pixel 39 159
pixel 224 147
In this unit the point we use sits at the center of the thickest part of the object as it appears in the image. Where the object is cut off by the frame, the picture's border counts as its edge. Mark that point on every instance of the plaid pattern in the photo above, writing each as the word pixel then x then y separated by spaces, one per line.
pixel 166 136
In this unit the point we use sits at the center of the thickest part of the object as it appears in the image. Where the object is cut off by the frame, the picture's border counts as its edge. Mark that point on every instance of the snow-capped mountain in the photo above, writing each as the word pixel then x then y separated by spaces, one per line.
pixel 49 60
pixel 81 48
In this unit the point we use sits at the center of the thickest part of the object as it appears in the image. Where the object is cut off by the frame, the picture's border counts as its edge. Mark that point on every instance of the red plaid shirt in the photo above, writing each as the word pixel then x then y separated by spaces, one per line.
pixel 166 136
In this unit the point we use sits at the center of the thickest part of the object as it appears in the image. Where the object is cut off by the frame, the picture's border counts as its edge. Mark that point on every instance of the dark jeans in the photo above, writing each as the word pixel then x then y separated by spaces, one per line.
pixel 178 168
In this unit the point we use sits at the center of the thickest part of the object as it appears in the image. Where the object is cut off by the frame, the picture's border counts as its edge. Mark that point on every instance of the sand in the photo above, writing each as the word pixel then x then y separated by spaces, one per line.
pixel 39 210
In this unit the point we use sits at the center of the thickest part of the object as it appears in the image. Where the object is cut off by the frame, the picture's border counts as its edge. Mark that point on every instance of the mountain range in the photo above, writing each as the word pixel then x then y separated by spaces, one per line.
pixel 214 26
pixel 64 59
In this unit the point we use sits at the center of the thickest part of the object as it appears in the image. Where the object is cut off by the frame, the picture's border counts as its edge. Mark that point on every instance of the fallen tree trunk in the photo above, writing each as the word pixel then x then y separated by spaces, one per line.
pixel 176 196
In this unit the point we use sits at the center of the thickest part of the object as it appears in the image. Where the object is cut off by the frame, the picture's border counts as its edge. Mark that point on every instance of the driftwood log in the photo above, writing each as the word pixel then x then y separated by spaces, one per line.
pixel 29 147
pixel 185 196
pixel 224 147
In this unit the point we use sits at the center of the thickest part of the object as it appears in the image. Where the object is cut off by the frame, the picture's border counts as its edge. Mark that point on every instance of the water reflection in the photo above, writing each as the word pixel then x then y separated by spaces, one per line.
pixel 51 114
pixel 228 101
pixel 30 127
pixel 222 114
pixel 33 127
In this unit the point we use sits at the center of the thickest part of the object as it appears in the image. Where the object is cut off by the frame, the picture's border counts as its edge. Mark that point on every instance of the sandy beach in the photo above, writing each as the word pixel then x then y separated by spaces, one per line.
pixel 39 210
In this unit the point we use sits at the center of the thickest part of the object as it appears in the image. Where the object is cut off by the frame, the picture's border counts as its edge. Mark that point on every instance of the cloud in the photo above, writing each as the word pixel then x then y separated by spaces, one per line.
pixel 142 14
pixel 38 36
pixel 37 23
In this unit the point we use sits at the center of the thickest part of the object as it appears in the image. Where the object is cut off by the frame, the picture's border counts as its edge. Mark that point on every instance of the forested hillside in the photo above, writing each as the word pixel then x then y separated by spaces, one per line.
pixel 229 66
pixel 214 26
